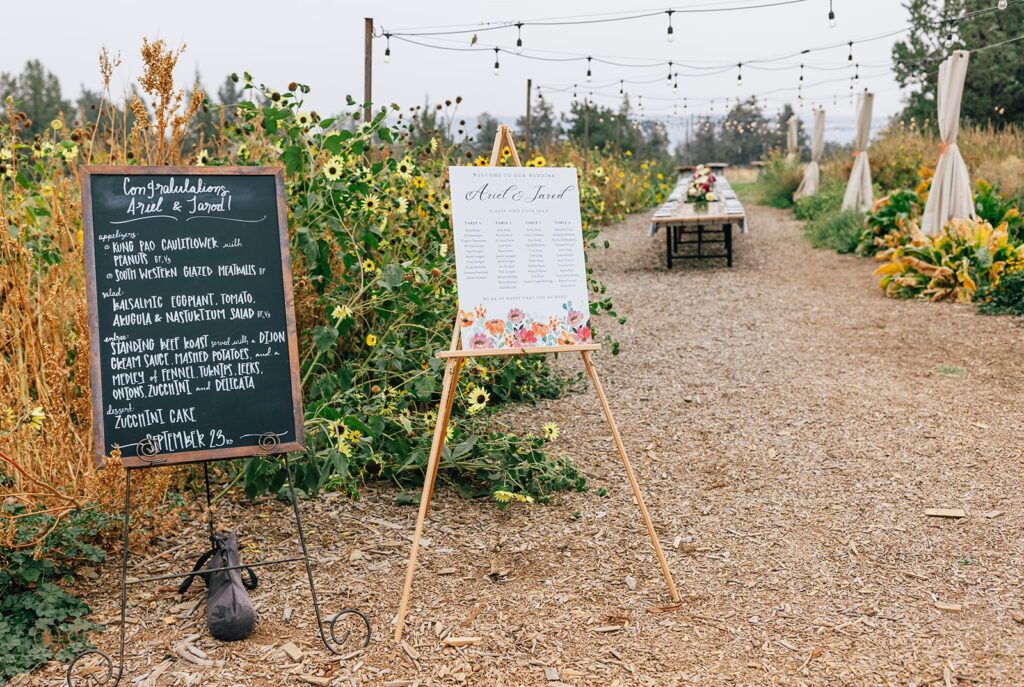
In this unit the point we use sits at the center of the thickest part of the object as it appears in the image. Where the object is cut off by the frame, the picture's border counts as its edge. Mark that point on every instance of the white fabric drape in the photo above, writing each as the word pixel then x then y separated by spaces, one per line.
pixel 858 189
pixel 950 196
pixel 809 184
pixel 792 150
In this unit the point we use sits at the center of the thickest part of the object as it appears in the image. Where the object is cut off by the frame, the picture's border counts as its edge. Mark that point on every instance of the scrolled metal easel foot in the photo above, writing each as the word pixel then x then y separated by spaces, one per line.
pixel 89 671
pixel 356 622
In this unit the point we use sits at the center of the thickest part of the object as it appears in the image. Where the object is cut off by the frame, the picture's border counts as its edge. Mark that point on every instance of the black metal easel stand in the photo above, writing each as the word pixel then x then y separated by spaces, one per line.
pixel 331 641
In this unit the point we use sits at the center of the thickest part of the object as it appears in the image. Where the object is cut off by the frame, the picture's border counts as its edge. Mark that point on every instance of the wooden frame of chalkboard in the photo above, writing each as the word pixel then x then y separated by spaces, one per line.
pixel 86 174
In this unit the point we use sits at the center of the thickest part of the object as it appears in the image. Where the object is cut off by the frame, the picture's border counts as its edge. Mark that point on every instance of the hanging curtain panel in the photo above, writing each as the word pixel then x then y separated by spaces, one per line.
pixel 809 184
pixel 950 195
pixel 858 189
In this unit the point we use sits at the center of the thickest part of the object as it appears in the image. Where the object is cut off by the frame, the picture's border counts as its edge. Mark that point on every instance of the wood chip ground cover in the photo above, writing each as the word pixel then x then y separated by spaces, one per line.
pixel 790 428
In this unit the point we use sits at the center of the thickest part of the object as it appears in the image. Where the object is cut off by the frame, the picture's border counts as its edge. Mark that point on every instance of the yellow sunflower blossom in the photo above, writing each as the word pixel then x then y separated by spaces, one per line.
pixel 477 398
pixel 550 431
pixel 36 417
pixel 371 340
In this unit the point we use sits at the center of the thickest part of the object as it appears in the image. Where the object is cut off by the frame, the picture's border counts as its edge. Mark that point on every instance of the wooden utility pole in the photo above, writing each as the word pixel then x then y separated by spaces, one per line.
pixel 529 87
pixel 367 68
pixel 586 124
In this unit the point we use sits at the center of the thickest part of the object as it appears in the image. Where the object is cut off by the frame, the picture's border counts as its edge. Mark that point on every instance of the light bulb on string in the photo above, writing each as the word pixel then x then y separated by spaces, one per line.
pixel 497 66
pixel 1002 4
pixel 670 35
pixel 856 74
pixel 519 37
pixel 589 59
pixel 669 77
pixel 684 104
pixel 622 89
pixel 739 73
pixel 574 91
pixel 801 73
pixel 849 58
pixel 387 47
pixel 675 81
pixel 831 16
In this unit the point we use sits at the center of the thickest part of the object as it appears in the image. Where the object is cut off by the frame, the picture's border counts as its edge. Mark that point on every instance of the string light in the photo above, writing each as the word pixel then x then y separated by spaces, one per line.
pixel 670 71
pixel 684 104
pixel 856 74
pixel 675 82
pixel 387 47
pixel 1002 4
pixel 850 56
pixel 497 67
pixel 589 60
pixel 622 89
pixel 832 15
pixel 670 36
pixel 519 37
pixel 801 73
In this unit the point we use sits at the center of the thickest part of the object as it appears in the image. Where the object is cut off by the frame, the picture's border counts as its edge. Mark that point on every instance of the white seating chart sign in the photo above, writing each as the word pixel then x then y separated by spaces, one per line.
pixel 519 257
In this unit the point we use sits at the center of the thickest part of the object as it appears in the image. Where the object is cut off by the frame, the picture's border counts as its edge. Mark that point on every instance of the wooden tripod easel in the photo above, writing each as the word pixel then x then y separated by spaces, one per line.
pixel 454 357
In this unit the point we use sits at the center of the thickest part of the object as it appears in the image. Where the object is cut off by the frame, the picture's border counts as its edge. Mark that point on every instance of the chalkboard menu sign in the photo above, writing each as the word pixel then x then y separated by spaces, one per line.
pixel 193 350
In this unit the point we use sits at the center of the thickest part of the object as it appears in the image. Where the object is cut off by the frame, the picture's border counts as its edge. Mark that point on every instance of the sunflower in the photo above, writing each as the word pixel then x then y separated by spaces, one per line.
pixel 446 206
pixel 368 265
pixel 304 119
pixel 550 431
pixel 371 203
pixel 477 398
pixel 332 168
pixel 419 182
pixel 341 312
pixel 404 169
pixel 539 161
pixel 275 97
pixel 36 417
pixel 402 203
pixel 202 158
pixel 502 496
pixel 371 340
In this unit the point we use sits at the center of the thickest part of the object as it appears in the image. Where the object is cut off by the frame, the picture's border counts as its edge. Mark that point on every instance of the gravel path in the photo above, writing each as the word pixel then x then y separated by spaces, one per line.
pixel 789 426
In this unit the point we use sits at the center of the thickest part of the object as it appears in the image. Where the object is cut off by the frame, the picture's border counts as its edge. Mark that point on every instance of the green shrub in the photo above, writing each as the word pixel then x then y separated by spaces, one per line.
pixel 39 620
pixel 994 208
pixel 839 231
pixel 827 201
pixel 886 224
pixel 779 180
pixel 1006 297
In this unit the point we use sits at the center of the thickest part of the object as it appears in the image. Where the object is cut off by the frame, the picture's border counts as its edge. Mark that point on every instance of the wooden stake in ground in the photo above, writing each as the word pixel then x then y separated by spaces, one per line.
pixel 454 358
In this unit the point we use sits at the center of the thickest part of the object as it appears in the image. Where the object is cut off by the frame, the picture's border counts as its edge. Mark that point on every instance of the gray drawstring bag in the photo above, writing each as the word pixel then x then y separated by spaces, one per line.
pixel 230 614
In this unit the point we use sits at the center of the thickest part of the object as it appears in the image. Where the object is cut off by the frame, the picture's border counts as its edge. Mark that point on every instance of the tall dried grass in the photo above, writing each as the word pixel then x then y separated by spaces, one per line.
pixel 46 455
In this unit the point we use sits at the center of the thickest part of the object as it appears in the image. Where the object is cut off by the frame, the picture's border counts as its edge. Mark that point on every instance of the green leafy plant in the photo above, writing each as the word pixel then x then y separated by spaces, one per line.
pixel 827 201
pixel 1006 297
pixel 886 226
pixel 839 230
pixel 778 181
pixel 39 620
pixel 966 256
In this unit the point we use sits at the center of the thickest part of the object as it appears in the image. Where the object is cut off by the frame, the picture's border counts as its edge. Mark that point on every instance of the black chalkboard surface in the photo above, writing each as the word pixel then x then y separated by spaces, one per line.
pixel 193 349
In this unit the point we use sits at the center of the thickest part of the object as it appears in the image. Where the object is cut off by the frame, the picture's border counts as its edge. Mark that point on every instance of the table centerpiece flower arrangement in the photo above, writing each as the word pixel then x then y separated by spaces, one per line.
pixel 702 186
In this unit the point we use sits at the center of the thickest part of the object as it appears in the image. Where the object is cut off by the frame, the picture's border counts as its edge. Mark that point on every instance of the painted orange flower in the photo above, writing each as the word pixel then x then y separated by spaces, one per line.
pixel 565 339
pixel 540 330
pixel 466 318
pixel 495 327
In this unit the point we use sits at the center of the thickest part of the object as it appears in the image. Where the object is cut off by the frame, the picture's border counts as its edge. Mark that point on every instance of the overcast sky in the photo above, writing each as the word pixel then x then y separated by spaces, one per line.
pixel 321 43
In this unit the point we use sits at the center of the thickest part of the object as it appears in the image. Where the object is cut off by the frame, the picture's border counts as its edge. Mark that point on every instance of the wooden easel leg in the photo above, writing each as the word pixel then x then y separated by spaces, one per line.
pixel 451 371
pixel 432 476
pixel 592 371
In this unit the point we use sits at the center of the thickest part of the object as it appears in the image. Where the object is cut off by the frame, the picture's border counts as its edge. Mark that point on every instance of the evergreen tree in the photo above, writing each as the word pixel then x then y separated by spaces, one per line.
pixel 35 91
pixel 544 128
pixel 994 89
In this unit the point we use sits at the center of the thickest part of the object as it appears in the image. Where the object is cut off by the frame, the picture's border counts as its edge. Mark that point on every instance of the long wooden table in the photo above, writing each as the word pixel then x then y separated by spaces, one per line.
pixel 687 224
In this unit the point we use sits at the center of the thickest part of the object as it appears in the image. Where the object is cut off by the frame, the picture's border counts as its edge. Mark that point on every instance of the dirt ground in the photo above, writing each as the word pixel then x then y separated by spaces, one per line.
pixel 789 425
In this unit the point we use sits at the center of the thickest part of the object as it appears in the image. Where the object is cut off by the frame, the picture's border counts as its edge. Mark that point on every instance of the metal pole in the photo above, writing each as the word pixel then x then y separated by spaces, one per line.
pixel 367 67
pixel 529 87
